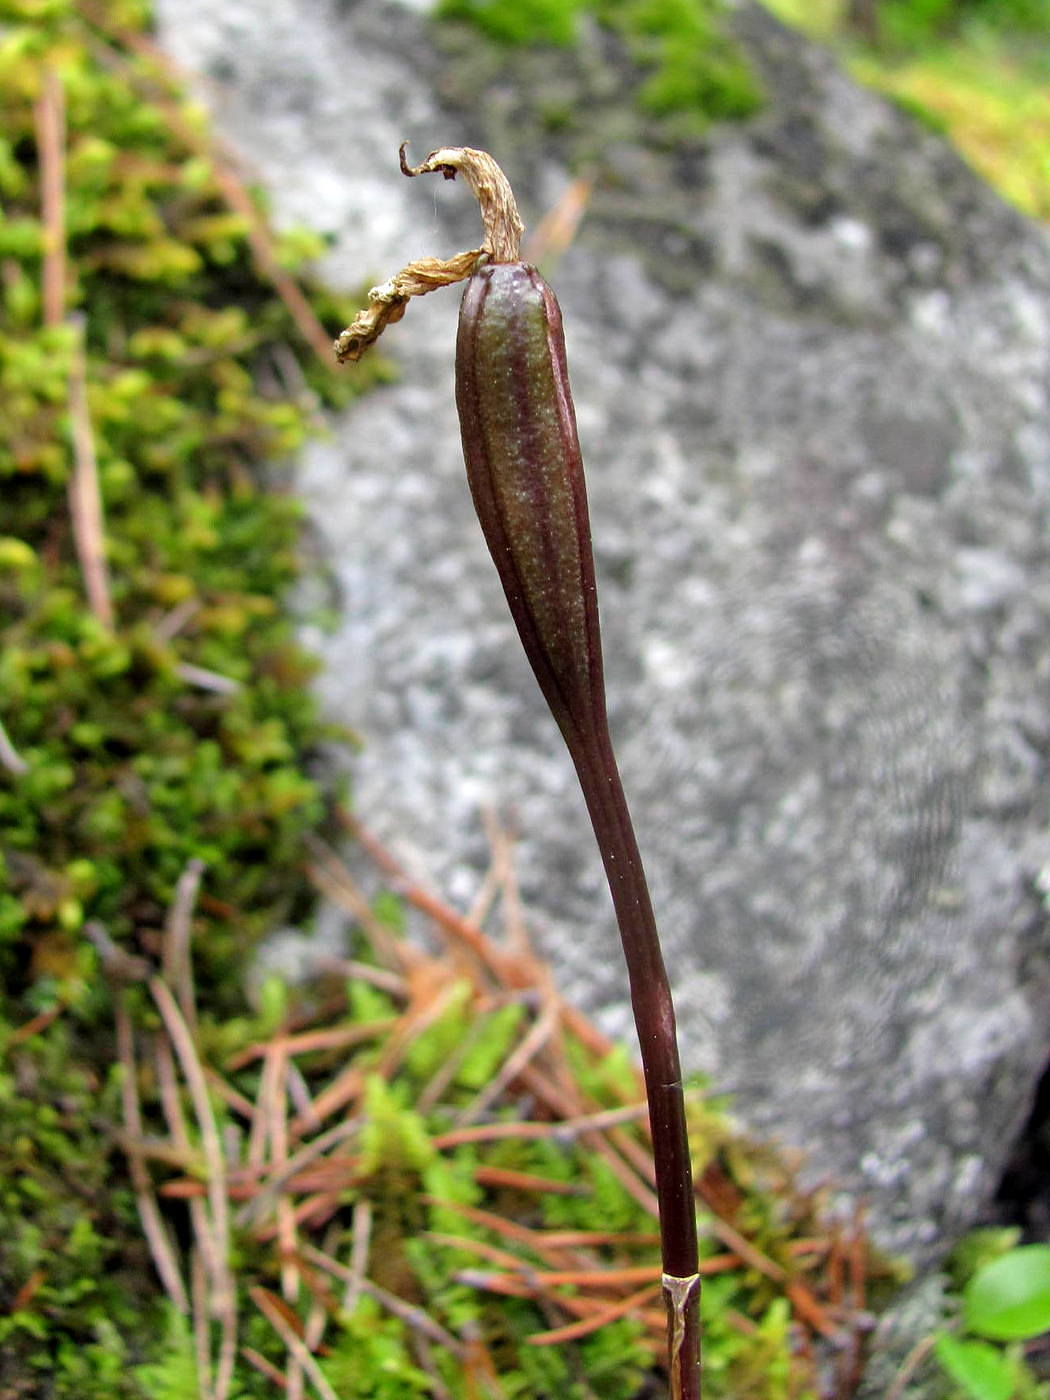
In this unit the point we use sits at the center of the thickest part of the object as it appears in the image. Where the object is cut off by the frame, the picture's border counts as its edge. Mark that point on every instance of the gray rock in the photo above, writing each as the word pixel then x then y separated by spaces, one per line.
pixel 811 359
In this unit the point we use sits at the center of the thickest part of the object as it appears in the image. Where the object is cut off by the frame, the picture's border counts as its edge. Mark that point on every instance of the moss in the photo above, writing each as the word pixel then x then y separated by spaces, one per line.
pixel 691 65
pixel 72 1261
pixel 968 71
pixel 184 730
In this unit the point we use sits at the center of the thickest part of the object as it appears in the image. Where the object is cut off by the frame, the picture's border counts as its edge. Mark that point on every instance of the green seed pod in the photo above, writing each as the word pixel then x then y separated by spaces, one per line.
pixel 526 477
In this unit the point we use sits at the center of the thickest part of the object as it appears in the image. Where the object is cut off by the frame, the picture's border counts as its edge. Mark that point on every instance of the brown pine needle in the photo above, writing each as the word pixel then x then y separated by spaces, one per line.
pixel 201 1327
pixel 230 1096
pixel 35 1025
pixel 286 1232
pixel 266 1196
pixel 500 1257
pixel 299 1097
pixel 556 230
pixel 451 923
pixel 335 1097
pixel 307 1042
pixel 595 1239
pixel 359 1250
pixel 269 1306
pixel 539 1035
pixel 574 1330
pixel 508 1229
pixel 222 1290
pixel 558 1130
pixel 332 877
pixel 505 1178
pixel 204 1255
pixel 264 1367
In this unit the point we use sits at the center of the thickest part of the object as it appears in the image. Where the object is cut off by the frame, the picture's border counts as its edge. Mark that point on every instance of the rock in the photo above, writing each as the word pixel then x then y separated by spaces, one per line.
pixel 811 359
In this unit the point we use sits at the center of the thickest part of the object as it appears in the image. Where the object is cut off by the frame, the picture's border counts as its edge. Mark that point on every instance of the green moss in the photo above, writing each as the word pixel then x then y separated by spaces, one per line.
pixel 692 66
pixel 969 71
pixel 525 22
pixel 186 730
pixel 71 1261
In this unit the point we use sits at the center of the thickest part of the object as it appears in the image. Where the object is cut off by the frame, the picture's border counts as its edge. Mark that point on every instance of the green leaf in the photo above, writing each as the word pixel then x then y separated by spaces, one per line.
pixel 981 1369
pixel 1009 1299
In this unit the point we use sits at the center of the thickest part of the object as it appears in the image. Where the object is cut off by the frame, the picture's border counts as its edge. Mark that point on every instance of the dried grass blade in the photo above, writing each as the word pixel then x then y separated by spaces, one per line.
pixel 10 758
pixel 416 1318
pixel 177 962
pixel 85 497
pixel 50 120
pixel 222 1287
pixel 538 1036
pixel 267 1195
pixel 160 1246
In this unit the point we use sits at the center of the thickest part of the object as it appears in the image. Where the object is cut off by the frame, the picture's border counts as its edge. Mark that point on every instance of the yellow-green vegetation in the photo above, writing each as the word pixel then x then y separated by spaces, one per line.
pixel 153 700
pixel 980 72
pixel 169 718
pixel 693 68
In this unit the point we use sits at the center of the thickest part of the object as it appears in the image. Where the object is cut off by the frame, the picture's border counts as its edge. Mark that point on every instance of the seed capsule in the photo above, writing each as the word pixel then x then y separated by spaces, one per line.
pixel 526 477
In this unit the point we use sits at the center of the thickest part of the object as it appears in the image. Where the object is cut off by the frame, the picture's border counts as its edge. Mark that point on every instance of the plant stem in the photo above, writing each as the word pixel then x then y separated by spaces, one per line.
pixel 654 1018
pixel 525 471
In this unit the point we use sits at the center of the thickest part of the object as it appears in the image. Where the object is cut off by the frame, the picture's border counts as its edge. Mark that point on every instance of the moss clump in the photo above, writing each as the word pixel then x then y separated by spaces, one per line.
pixel 174 722
pixel 968 71
pixel 693 68
pixel 184 729
pixel 72 1260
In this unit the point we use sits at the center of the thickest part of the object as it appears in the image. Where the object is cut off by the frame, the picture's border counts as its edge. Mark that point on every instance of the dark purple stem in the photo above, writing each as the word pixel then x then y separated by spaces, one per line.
pixel 526 477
